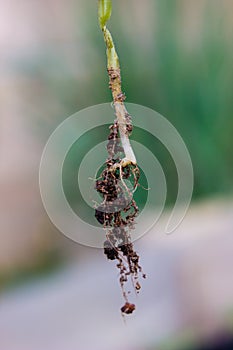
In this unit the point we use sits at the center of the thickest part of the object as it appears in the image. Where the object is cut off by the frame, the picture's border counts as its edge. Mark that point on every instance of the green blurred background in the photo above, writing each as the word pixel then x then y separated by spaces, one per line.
pixel 176 58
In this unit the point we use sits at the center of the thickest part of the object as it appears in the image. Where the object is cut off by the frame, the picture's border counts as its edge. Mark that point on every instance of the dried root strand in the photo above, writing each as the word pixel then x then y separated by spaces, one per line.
pixel 117 213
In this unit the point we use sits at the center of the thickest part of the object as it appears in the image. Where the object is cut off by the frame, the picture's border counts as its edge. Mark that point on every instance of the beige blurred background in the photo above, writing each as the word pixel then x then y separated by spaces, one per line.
pixel 177 59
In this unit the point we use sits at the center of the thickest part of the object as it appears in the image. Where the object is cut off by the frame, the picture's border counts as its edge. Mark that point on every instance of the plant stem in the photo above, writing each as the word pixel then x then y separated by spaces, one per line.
pixel 113 65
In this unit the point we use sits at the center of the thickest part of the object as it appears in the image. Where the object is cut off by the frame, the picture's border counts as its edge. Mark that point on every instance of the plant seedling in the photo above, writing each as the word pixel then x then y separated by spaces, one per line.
pixel 119 179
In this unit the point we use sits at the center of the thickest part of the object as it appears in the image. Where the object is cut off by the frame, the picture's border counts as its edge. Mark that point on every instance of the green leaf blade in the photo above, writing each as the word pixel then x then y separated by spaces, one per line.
pixel 104 12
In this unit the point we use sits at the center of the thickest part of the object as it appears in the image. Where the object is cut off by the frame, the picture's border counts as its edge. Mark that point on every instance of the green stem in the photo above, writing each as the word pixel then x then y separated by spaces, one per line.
pixel 113 65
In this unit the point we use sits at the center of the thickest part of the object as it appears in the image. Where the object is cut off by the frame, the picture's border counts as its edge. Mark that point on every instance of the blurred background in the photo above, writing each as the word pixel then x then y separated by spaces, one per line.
pixel 176 57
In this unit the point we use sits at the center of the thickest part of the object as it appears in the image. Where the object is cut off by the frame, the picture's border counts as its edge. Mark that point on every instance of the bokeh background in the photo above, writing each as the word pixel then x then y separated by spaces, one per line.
pixel 176 58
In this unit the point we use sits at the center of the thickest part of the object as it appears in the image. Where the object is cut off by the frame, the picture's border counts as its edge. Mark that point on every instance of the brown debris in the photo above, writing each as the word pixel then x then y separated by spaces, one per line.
pixel 128 308
pixel 118 211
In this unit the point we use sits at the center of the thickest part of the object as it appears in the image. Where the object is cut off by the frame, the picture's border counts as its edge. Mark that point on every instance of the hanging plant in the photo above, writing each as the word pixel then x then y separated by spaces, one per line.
pixel 119 179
